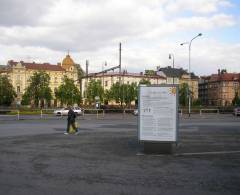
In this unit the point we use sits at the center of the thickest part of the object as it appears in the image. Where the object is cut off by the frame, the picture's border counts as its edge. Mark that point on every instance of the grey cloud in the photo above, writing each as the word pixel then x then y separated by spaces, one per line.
pixel 100 26
pixel 92 33
pixel 22 12
pixel 105 23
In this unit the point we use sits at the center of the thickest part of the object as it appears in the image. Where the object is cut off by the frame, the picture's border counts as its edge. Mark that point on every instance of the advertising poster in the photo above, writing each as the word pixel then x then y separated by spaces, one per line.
pixel 158 113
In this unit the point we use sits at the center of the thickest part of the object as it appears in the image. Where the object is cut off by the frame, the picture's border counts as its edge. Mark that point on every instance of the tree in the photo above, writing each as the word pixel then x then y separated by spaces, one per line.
pixel 183 94
pixel 115 93
pixel 236 100
pixel 150 72
pixel 25 99
pixel 144 82
pixel 94 89
pixel 38 89
pixel 197 102
pixel 107 96
pixel 124 93
pixel 68 93
pixel 7 92
pixel 130 93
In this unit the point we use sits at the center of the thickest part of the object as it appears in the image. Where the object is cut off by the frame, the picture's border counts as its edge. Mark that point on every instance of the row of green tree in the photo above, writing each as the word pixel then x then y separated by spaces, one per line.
pixel 119 93
pixel 39 93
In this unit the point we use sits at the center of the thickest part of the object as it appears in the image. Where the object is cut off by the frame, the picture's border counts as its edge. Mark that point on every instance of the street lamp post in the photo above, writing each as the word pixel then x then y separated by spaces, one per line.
pixel 189 70
pixel 104 64
pixel 171 56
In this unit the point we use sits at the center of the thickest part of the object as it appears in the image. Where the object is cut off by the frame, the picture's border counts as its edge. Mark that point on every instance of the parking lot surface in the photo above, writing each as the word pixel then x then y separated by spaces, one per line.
pixel 106 157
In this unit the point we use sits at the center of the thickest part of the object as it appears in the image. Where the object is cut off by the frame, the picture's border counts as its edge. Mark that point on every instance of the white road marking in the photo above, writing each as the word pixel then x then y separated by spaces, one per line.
pixel 192 153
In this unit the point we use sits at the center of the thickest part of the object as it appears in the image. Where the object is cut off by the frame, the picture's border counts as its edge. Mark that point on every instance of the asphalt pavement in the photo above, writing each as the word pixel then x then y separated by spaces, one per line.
pixel 106 157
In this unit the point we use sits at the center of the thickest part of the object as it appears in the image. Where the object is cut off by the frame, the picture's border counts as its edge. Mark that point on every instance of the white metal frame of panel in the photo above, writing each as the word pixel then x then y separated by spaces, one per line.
pixel 158 113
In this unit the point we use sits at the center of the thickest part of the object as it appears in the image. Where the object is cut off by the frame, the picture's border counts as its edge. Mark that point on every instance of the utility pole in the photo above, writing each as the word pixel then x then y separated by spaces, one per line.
pixel 104 64
pixel 120 68
pixel 171 56
pixel 86 82
pixel 120 61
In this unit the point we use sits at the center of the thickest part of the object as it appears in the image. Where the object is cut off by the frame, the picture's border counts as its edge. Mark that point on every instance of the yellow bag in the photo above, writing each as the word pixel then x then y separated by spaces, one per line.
pixel 71 130
pixel 76 125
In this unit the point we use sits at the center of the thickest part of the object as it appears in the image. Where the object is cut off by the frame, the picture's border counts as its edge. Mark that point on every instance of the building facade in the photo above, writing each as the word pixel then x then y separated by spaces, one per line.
pixel 219 89
pixel 19 74
pixel 203 89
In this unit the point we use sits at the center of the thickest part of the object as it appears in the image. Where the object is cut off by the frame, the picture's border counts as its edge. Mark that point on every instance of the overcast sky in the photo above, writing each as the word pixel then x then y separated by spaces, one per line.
pixel 43 31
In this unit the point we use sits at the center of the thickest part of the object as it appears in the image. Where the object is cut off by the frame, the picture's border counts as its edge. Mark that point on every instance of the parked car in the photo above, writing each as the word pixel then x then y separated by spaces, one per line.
pixel 135 112
pixel 61 111
pixel 77 110
pixel 64 111
pixel 236 111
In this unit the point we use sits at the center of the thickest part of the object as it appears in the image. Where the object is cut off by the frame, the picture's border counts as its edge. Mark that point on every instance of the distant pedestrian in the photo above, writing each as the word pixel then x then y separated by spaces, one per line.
pixel 71 121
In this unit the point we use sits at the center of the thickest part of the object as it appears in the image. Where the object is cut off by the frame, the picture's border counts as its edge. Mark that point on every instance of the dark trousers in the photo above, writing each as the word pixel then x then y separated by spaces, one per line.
pixel 72 123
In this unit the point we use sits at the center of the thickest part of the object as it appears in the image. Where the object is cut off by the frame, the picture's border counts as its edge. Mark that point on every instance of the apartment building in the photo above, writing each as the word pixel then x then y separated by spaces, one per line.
pixel 219 89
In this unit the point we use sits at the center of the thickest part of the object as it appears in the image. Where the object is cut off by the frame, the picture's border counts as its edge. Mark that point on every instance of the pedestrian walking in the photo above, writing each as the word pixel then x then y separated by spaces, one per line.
pixel 71 121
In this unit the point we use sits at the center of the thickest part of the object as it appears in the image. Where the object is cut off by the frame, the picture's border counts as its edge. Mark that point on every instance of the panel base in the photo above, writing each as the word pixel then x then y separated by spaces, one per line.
pixel 157 148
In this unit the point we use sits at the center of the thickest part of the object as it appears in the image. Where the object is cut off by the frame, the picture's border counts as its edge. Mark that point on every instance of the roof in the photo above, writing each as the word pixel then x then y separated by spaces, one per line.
pixel 225 77
pixel 67 62
pixel 193 76
pixel 176 72
pixel 126 74
pixel 173 72
pixel 38 66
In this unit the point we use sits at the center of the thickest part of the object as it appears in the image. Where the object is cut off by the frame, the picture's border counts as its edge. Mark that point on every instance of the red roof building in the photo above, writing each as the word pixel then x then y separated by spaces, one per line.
pixel 219 89
pixel 37 66
pixel 19 74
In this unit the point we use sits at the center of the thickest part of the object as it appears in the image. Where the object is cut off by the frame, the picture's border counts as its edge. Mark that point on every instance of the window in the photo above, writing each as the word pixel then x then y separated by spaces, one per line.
pixel 106 83
pixel 235 85
pixel 18 89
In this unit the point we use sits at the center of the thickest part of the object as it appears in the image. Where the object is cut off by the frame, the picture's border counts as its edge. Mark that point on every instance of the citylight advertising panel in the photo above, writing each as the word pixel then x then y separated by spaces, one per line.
pixel 158 113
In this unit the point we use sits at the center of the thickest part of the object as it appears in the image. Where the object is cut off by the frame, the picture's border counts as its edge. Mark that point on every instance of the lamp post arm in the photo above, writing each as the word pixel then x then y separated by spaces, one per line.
pixel 190 44
pixel 193 39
